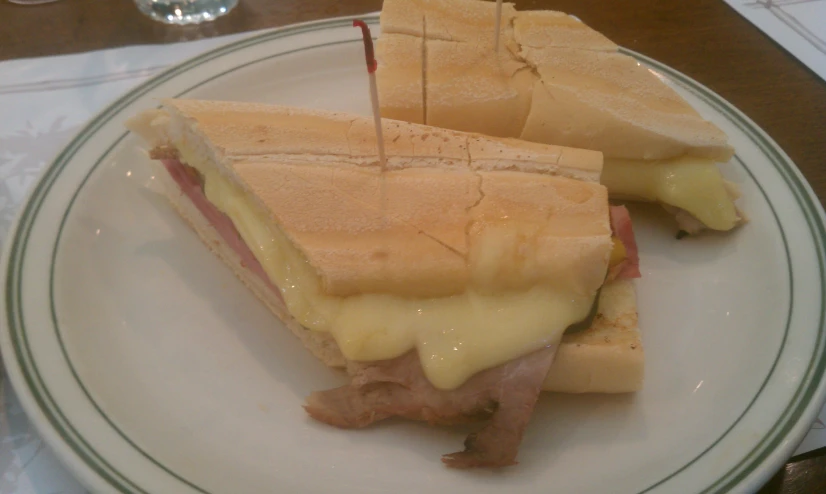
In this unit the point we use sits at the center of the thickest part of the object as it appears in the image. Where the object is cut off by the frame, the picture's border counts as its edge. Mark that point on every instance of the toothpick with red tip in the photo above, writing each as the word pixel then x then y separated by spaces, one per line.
pixel 498 24
pixel 374 92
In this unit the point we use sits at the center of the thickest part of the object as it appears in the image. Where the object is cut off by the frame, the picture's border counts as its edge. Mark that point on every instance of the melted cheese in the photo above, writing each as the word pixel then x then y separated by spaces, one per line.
pixel 618 252
pixel 455 336
pixel 692 184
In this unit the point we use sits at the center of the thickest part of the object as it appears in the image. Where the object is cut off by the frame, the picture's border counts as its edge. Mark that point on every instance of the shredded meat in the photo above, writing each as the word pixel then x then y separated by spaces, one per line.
pixel 505 396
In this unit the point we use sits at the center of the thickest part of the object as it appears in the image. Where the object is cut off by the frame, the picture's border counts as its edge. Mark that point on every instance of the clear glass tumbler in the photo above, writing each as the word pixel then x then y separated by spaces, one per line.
pixel 185 11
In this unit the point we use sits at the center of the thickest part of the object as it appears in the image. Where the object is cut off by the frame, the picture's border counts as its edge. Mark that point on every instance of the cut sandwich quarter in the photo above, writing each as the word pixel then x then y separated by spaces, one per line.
pixel 466 255
pixel 555 81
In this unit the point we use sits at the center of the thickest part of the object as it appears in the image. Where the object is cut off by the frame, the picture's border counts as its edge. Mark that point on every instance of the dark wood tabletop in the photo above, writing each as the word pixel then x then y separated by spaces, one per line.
pixel 705 39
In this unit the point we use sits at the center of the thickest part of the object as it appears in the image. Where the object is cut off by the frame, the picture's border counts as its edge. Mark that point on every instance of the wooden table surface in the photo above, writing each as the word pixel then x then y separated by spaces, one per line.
pixel 703 38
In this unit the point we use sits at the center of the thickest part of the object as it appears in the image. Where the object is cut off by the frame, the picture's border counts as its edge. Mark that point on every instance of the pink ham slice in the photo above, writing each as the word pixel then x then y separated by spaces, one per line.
pixel 191 185
pixel 504 395
pixel 622 228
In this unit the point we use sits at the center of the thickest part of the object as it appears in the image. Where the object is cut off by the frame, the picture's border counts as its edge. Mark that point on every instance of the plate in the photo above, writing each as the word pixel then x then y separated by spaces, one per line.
pixel 149 368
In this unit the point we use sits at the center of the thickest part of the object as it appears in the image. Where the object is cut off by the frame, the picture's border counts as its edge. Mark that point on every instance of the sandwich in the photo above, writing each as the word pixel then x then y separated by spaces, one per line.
pixel 554 80
pixel 453 283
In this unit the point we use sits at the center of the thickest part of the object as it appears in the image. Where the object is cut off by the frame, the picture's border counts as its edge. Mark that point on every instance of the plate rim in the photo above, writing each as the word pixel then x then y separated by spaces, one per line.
pixel 747 471
pixel 806 411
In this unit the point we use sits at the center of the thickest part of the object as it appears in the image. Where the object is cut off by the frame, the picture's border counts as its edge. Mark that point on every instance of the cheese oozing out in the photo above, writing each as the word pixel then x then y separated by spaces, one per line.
pixel 455 336
pixel 692 184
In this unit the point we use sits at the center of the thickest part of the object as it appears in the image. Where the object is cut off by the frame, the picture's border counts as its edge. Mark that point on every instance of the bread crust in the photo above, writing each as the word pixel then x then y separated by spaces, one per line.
pixel 608 357
pixel 449 20
pixel 402 76
pixel 416 228
pixel 556 81
pixel 607 101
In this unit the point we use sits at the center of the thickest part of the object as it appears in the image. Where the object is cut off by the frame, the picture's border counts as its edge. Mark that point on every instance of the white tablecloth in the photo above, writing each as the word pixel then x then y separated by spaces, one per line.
pixel 799 26
pixel 43 103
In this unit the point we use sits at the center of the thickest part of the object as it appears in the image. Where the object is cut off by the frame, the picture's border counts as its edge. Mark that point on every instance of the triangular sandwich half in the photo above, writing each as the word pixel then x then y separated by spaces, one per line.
pixel 443 282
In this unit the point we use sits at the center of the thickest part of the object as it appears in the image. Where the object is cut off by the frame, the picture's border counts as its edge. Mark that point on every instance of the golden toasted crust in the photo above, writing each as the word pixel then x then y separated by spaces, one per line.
pixel 557 82
pixel 400 232
pixel 608 357
pixel 419 231
pixel 496 154
pixel 402 76
pixel 556 231
pixel 548 28
pixel 606 101
pixel 449 20
pixel 472 89
pixel 406 17
pixel 414 229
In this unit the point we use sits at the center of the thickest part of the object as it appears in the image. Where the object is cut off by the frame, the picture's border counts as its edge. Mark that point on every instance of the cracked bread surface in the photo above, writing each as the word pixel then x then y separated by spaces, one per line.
pixel 553 80
pixel 417 227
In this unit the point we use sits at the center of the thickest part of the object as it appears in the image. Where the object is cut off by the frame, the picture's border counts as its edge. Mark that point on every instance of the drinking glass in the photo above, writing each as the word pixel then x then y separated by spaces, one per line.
pixel 185 11
pixel 31 2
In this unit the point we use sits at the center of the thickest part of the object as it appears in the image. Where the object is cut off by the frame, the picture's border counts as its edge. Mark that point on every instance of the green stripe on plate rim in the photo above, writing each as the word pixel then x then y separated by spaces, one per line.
pixel 115 478
pixel 794 411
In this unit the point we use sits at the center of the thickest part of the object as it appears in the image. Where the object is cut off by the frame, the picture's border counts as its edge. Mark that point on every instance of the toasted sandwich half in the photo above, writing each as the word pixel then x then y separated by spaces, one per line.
pixel 444 282
pixel 554 80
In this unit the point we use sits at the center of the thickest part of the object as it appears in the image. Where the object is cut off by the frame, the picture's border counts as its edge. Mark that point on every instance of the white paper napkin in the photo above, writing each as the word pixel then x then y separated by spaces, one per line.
pixel 799 26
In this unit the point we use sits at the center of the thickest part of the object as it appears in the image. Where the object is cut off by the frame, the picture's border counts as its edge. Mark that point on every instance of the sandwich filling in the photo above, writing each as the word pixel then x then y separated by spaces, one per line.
pixel 455 336
pixel 692 185
pixel 503 394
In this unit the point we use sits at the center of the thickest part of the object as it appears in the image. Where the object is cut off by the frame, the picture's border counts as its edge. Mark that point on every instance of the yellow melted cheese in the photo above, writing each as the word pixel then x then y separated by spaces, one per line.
pixel 618 252
pixel 692 184
pixel 455 336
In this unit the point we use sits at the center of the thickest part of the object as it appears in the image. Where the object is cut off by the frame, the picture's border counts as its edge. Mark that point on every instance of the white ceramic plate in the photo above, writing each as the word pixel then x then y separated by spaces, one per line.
pixel 150 369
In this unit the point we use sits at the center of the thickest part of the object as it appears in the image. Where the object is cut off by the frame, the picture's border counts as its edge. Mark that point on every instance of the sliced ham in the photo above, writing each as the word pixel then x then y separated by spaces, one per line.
pixel 191 184
pixel 504 396
pixel 622 228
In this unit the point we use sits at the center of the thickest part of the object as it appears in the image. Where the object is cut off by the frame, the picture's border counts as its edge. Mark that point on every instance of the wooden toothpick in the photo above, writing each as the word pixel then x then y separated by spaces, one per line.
pixel 498 24
pixel 374 91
